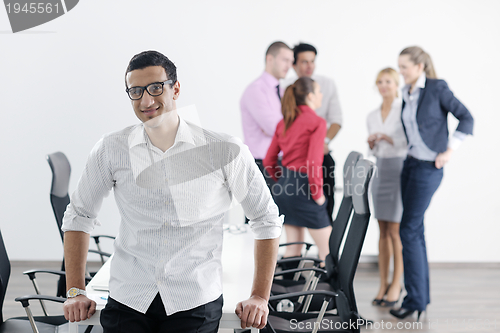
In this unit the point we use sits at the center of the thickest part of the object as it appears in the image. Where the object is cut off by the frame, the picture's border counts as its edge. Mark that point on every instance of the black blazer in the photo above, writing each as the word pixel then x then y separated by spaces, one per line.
pixel 434 103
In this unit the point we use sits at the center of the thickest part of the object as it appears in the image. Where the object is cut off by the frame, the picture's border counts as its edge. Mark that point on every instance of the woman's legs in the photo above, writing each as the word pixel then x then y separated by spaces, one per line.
pixel 419 181
pixel 294 234
pixel 393 235
pixel 321 238
pixel 384 258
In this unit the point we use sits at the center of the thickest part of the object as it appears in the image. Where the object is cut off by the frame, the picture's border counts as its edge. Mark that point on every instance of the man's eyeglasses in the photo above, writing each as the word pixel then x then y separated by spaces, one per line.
pixel 153 89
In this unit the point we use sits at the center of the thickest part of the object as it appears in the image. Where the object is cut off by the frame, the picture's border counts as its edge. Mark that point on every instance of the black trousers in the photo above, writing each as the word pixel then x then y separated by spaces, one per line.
pixel 329 183
pixel 119 318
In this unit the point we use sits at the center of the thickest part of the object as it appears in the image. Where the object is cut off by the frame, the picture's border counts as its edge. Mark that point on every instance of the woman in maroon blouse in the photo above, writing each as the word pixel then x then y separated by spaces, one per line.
pixel 299 191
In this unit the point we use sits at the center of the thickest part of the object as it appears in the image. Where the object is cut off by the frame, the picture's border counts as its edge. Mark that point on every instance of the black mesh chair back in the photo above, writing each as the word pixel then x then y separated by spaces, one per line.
pixel 351 251
pixel 4 274
pixel 345 210
pixel 59 197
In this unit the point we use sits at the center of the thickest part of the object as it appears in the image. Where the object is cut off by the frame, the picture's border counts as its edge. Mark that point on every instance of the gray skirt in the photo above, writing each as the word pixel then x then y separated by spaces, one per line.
pixel 386 189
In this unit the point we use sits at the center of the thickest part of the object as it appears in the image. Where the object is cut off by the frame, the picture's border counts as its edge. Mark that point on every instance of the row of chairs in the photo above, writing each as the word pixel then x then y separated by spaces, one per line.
pixel 59 198
pixel 327 293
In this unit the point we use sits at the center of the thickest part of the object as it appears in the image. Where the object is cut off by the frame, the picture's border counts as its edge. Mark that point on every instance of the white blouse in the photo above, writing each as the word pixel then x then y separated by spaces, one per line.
pixel 392 127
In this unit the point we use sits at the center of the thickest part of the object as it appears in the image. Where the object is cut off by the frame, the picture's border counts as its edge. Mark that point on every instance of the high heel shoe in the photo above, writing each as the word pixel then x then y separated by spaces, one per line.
pixel 389 304
pixel 378 301
pixel 402 313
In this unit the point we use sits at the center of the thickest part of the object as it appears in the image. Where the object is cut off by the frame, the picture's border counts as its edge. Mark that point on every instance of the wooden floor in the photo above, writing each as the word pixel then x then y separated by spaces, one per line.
pixel 464 298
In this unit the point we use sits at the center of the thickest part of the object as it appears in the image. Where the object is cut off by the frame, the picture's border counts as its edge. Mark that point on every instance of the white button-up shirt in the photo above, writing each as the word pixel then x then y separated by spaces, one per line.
pixel 172 206
pixel 392 127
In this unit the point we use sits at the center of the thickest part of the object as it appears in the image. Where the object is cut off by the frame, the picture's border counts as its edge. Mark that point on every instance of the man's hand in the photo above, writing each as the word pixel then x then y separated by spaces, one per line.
pixel 78 308
pixel 443 158
pixel 253 312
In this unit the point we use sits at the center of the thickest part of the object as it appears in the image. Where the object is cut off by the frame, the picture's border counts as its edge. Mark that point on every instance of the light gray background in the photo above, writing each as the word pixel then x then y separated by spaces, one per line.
pixel 62 88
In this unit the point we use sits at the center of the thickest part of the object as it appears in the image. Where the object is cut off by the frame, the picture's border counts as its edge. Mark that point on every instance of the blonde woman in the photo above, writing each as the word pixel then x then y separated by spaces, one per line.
pixel 387 142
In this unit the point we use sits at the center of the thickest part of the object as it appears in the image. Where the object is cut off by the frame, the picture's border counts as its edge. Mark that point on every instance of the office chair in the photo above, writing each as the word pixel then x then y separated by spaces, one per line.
pixel 59 198
pixel 339 279
pixel 37 324
pixel 336 236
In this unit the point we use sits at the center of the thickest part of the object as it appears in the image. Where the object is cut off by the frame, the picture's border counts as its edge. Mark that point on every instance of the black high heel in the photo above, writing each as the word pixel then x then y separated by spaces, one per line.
pixel 388 304
pixel 377 301
pixel 402 313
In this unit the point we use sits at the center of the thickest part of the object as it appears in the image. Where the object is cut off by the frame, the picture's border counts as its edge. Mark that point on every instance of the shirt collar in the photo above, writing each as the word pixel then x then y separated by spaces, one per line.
pixel 184 134
pixel 269 79
pixel 422 79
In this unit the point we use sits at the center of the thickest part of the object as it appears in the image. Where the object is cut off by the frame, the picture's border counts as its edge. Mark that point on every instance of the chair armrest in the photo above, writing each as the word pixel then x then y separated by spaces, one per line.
pixel 295 270
pixel 100 253
pixel 303 293
pixel 285 260
pixel 308 245
pixel 96 237
pixel 25 299
pixel 32 272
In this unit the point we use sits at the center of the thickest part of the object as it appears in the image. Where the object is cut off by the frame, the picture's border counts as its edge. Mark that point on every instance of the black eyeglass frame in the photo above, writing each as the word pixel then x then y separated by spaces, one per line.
pixel 145 88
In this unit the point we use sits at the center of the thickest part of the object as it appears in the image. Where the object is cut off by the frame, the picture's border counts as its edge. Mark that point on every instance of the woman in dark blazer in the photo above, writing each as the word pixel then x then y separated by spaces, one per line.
pixel 426 104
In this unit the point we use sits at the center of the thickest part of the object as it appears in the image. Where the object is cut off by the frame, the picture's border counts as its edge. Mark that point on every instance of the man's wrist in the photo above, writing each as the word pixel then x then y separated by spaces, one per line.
pixel 266 299
pixel 74 292
pixel 328 140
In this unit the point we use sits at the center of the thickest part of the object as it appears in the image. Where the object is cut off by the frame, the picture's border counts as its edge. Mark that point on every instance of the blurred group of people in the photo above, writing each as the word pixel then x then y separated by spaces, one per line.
pixel 288 125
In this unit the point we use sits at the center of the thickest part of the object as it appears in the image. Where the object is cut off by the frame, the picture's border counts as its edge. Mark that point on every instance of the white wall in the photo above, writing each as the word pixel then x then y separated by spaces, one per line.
pixel 61 88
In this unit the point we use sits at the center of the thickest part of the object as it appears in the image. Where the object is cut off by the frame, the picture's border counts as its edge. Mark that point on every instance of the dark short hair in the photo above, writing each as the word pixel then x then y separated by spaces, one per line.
pixel 302 47
pixel 152 58
pixel 275 48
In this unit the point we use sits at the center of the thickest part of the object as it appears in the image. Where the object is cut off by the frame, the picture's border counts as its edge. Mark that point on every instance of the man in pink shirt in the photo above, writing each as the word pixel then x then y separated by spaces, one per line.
pixel 261 105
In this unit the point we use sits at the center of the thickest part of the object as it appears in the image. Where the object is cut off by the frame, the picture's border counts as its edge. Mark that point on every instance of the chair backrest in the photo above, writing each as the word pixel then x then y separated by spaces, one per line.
pixel 349 259
pixel 4 274
pixel 345 210
pixel 59 197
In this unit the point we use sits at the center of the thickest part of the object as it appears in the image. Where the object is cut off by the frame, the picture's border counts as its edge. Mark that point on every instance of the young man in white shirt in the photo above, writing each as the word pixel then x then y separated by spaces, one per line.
pixel 173 182
pixel 304 65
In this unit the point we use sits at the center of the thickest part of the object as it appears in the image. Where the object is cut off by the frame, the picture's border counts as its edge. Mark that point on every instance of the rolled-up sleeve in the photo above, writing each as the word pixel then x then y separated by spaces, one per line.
pixel 249 188
pixel 94 185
